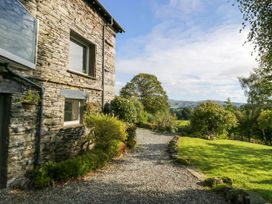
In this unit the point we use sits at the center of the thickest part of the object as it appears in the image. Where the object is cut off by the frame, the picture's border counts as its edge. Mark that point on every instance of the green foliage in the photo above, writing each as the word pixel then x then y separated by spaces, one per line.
pixel 183 127
pixel 183 113
pixel 77 166
pixel 149 91
pixel 248 165
pixel 130 110
pixel 104 128
pixel 258 87
pixel 265 120
pixel 164 121
pixel 41 177
pixel 247 117
pixel 30 97
pixel 265 124
pixel 113 148
pixel 131 142
pixel 211 119
pixel 215 181
pixel 109 135
pixel 142 115
pixel 258 14
pixel 124 109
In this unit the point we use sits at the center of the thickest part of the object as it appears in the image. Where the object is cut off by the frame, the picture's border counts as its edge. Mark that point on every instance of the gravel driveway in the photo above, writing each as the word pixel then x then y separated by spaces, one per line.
pixel 145 175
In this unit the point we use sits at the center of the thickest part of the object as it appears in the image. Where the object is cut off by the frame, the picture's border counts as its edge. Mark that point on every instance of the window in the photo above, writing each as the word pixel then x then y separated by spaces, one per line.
pixel 72 112
pixel 81 55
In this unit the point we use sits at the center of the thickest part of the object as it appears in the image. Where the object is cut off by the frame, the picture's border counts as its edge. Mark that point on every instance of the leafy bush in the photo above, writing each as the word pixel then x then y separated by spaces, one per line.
pixel 41 178
pixel 265 124
pixel 104 128
pixel 77 166
pixel 129 110
pixel 142 115
pixel 164 121
pixel 212 120
pixel 124 109
pixel 109 135
pixel 131 142
pixel 113 148
pixel 30 97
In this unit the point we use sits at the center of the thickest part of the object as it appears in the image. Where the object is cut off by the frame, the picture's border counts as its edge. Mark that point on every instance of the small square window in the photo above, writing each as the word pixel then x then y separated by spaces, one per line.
pixel 81 55
pixel 72 112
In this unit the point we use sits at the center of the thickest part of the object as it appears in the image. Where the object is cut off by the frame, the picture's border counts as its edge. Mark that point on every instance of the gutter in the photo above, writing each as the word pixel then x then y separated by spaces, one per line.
pixel 103 60
pixel 37 160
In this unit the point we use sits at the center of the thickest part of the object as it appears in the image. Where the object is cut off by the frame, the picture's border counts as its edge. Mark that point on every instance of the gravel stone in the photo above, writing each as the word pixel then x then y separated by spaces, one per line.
pixel 144 175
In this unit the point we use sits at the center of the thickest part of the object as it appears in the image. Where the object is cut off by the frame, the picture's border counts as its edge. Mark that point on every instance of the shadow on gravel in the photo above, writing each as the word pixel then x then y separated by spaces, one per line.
pixel 148 152
pixel 110 193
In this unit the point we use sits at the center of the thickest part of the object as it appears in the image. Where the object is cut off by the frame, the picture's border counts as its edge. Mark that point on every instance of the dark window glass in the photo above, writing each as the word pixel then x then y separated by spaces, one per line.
pixel 72 111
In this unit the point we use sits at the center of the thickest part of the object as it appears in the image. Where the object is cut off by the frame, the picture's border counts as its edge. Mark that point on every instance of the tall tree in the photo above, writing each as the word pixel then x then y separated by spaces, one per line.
pixel 258 15
pixel 258 87
pixel 148 89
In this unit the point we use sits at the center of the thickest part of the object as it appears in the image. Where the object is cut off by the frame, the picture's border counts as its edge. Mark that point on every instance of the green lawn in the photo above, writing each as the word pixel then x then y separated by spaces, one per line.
pixel 250 165
pixel 183 123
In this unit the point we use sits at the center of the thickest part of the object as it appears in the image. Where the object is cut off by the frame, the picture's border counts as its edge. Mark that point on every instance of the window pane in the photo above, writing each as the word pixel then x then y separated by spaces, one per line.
pixel 71 112
pixel 18 30
pixel 76 57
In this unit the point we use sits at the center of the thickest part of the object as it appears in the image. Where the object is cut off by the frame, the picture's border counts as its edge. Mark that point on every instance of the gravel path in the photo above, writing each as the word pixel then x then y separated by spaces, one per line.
pixel 145 175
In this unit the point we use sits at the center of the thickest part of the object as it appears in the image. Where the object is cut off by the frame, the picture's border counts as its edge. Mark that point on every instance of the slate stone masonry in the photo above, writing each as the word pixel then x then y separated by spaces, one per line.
pixel 56 19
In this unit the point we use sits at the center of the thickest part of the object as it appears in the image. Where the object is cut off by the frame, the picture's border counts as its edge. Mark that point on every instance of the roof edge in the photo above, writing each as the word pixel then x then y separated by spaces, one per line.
pixel 104 13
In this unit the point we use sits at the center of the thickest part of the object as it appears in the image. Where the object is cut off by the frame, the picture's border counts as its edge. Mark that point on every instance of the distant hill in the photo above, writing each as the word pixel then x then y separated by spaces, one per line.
pixel 193 104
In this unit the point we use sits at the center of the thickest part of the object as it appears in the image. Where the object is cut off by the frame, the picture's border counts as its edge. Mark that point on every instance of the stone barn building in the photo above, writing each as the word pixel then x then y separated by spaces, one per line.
pixel 57 58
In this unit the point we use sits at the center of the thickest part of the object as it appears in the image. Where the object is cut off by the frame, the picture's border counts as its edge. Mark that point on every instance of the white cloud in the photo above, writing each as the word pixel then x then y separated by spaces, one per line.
pixel 178 8
pixel 192 63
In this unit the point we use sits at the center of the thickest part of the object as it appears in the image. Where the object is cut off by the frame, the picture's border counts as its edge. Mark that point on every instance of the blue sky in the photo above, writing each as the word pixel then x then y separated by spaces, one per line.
pixel 194 47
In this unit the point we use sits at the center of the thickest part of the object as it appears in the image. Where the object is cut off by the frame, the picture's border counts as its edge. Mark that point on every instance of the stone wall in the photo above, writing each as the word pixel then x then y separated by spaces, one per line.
pixel 56 19
pixel 22 139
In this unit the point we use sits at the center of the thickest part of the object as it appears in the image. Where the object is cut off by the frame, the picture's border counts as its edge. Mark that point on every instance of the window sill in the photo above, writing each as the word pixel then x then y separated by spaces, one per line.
pixel 81 74
pixel 70 126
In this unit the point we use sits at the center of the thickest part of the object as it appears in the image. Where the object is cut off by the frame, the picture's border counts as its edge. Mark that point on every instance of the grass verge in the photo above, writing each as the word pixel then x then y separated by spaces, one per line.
pixel 249 165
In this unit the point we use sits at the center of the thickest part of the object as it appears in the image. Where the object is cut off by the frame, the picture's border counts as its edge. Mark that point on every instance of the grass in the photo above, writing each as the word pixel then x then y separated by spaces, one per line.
pixel 249 165
pixel 183 123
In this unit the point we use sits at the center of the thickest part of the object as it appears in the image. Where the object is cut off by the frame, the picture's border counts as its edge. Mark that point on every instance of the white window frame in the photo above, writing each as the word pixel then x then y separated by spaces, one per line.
pixel 74 122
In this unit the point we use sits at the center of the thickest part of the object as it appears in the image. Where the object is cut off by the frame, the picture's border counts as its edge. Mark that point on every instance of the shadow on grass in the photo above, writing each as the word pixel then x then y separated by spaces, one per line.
pixel 249 166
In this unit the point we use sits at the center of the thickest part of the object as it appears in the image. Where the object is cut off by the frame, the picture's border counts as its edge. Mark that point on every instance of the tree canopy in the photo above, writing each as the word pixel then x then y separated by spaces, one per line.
pixel 148 89
pixel 258 15
pixel 211 119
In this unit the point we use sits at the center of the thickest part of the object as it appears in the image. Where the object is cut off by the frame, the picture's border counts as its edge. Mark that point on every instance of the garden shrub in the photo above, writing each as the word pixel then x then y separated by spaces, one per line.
pixel 109 135
pixel 142 115
pixel 41 178
pixel 129 110
pixel 104 128
pixel 164 121
pixel 131 142
pixel 124 109
pixel 113 148
pixel 103 158
pixel 75 167
pixel 211 120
